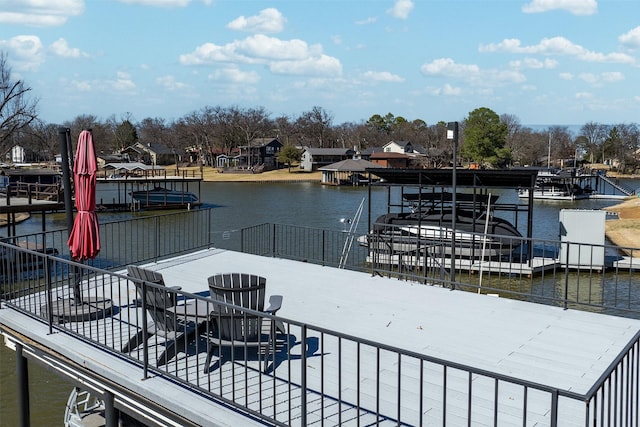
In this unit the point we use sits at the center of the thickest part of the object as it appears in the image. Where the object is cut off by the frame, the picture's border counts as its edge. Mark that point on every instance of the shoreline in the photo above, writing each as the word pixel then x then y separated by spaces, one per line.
pixel 624 232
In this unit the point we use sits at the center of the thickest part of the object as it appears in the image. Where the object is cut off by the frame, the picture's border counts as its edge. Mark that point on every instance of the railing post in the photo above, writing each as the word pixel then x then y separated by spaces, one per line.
pixel 156 235
pixel 48 285
pixel 324 236
pixel 145 347
pixel 303 377
pixel 566 277
pixel 273 240
pixel 554 408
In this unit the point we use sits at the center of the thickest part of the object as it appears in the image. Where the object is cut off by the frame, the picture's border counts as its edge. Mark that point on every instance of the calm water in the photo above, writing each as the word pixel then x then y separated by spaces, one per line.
pixel 238 205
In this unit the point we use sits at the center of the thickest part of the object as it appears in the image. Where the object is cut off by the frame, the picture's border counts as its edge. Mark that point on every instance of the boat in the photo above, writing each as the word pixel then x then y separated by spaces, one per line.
pixel 428 229
pixel 163 196
pixel 558 184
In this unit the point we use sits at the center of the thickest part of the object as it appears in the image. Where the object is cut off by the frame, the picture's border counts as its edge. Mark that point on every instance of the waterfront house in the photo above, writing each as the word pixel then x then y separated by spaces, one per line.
pixel 260 152
pixel 151 153
pixel 313 159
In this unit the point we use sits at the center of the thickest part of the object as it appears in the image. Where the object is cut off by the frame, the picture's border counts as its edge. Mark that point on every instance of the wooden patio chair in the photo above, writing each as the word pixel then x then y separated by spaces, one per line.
pixel 176 329
pixel 232 325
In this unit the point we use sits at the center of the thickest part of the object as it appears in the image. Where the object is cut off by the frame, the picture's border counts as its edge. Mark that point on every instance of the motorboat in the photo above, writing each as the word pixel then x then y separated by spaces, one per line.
pixel 478 234
pixel 555 184
pixel 163 196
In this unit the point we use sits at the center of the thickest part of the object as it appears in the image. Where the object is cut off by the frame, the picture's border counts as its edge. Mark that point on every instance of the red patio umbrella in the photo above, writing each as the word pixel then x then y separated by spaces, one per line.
pixel 84 239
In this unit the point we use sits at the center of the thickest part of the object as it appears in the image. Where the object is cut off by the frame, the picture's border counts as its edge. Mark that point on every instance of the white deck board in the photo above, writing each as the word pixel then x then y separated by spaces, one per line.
pixel 567 349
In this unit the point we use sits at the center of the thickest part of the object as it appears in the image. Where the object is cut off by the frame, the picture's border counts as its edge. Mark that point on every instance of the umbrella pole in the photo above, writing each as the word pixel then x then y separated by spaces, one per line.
pixel 64 137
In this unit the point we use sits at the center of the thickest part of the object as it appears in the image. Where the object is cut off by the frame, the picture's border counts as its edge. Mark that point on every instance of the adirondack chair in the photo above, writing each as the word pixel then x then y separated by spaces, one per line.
pixel 234 327
pixel 176 329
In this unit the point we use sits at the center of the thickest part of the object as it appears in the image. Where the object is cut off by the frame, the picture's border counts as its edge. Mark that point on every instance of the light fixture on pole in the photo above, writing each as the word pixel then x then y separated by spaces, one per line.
pixel 452 134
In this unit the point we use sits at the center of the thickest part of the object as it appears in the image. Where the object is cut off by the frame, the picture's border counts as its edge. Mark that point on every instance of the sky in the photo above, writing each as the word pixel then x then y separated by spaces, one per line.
pixel 546 62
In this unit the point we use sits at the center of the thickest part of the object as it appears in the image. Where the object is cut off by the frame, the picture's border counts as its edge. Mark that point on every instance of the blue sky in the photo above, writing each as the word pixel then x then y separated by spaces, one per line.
pixel 546 62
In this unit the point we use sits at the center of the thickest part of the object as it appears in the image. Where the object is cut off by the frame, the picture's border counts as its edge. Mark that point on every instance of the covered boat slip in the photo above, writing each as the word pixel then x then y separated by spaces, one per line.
pixel 357 349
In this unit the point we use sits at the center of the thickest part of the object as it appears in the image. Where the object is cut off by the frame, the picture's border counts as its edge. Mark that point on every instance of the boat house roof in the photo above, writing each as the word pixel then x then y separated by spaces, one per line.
pixel 500 178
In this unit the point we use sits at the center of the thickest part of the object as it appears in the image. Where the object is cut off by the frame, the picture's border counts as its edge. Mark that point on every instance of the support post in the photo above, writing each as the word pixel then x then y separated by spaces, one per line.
pixel 110 413
pixel 23 387
pixel 452 133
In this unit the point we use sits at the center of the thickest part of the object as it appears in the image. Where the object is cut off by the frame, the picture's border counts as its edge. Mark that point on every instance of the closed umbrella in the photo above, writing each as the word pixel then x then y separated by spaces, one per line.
pixel 84 239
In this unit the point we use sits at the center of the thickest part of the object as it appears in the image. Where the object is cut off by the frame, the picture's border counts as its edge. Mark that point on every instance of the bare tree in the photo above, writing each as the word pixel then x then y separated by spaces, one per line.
pixel 316 124
pixel 17 109
pixel 594 136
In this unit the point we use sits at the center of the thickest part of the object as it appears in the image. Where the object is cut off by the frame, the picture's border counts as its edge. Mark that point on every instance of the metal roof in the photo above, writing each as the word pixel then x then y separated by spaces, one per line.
pixel 498 178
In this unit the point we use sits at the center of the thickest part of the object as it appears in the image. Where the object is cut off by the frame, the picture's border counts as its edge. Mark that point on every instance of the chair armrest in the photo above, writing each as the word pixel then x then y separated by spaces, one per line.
pixel 275 301
pixel 174 288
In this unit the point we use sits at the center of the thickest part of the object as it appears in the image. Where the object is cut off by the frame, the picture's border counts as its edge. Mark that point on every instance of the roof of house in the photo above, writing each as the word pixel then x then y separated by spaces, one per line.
pixel 350 165
pixel 500 178
pixel 130 166
pixel 388 155
pixel 329 151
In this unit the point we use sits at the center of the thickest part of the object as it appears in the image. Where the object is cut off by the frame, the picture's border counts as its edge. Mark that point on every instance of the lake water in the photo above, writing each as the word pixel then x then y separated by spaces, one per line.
pixel 238 205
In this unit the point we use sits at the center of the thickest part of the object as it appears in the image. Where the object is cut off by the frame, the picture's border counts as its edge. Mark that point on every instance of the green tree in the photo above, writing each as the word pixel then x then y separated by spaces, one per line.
pixel 289 154
pixel 126 134
pixel 485 137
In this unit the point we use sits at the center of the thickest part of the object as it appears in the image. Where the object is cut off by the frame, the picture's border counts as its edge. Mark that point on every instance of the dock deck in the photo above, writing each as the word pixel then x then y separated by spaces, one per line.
pixel 349 383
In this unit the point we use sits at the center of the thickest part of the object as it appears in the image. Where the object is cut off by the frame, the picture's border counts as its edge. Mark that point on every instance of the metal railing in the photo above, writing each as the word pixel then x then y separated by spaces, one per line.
pixel 601 278
pixel 141 238
pixel 318 374
pixel 314 375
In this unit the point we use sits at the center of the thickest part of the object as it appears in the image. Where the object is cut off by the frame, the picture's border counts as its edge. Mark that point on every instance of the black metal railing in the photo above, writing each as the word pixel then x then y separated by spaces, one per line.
pixel 601 278
pixel 314 374
pixel 323 374
pixel 133 240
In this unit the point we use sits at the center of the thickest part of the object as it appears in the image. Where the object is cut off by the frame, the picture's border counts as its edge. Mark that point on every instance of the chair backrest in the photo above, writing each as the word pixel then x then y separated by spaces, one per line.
pixel 242 290
pixel 157 299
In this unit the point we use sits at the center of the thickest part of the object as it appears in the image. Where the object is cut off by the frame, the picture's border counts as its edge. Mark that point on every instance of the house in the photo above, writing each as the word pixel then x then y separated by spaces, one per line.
pixel 391 160
pixel 260 152
pixel 314 158
pixel 366 153
pixel 104 159
pixel 151 153
pixel 19 154
pixel 405 147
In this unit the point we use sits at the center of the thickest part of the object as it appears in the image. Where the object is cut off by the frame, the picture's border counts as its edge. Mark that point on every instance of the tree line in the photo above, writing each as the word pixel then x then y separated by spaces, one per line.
pixel 485 137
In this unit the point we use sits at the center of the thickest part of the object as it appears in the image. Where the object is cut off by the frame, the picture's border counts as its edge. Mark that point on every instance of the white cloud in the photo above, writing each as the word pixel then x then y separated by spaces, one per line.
pixel 282 56
pixel 472 74
pixel 81 86
pixel 40 13
pixel 26 53
pixel 61 48
pixel 235 75
pixel 401 9
pixel 566 76
pixel 322 65
pixel 576 7
pixel 367 21
pixel 170 83
pixel 267 21
pixel 448 67
pixel 383 76
pixel 598 79
pixel 123 82
pixel 557 46
pixel 159 3
pixel 631 38
pixel 534 63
